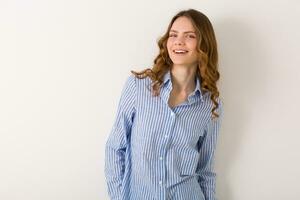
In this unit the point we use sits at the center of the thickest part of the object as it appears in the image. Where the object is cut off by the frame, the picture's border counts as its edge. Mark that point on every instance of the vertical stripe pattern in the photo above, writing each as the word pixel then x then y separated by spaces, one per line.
pixel 155 152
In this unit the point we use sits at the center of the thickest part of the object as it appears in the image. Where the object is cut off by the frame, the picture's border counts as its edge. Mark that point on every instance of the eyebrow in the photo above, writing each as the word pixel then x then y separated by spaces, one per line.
pixel 183 32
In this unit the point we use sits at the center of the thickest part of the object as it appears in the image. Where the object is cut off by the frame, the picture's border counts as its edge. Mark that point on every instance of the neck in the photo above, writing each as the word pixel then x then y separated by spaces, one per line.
pixel 183 79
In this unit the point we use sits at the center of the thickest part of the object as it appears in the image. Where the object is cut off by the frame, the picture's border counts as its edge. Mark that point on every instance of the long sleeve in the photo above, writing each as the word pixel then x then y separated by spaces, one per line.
pixel 207 146
pixel 118 139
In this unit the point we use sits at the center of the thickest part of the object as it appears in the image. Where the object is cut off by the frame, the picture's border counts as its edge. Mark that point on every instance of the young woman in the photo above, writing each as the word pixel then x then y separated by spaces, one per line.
pixel 164 136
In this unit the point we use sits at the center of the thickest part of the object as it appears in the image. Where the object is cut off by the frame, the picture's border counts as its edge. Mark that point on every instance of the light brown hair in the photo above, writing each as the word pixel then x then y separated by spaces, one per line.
pixel 207 68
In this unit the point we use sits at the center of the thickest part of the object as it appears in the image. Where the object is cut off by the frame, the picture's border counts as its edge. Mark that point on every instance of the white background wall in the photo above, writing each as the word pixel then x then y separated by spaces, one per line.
pixel 63 64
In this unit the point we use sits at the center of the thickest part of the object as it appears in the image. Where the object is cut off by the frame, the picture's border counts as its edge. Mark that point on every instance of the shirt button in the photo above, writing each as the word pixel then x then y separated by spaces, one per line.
pixel 172 114
pixel 166 136
pixel 160 182
pixel 160 158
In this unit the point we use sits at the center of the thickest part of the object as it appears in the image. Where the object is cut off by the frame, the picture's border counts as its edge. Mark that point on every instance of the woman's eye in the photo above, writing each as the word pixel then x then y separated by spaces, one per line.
pixel 174 35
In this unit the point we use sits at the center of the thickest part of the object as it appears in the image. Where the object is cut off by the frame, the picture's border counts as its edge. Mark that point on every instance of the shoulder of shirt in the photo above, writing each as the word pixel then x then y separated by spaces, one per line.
pixel 206 96
pixel 131 80
pixel 139 81
pixel 207 100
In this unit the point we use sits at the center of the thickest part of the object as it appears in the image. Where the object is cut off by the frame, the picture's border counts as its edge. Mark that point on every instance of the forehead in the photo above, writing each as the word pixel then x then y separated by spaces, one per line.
pixel 182 24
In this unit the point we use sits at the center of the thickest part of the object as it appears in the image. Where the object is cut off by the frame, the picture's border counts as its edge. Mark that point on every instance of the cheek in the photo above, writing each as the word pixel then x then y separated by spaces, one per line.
pixel 168 43
pixel 168 46
pixel 194 49
pixel 193 45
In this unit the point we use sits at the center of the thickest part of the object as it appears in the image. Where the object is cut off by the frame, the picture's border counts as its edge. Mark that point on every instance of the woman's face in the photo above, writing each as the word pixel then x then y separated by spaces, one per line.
pixel 182 43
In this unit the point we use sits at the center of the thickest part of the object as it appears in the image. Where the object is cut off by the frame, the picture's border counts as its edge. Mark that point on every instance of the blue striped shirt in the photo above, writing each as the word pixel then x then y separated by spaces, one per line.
pixel 157 152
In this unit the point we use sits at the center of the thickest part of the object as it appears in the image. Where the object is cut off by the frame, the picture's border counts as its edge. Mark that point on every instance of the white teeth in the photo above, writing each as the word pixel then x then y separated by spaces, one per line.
pixel 180 51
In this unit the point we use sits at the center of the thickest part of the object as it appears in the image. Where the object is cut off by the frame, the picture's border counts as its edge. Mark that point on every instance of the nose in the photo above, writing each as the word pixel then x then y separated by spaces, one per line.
pixel 179 40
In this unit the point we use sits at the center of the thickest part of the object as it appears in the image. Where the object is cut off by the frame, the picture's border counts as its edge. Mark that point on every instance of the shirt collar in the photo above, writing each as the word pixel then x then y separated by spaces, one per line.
pixel 167 77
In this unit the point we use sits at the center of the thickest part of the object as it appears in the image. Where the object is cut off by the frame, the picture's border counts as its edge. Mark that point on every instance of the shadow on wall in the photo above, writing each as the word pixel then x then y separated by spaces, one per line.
pixel 242 68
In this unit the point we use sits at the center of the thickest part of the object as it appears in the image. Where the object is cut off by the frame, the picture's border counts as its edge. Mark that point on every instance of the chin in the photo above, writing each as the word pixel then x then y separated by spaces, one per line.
pixel 180 62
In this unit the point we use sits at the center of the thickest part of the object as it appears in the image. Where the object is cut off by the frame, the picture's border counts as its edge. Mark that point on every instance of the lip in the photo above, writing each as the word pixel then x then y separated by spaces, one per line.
pixel 180 50
pixel 179 54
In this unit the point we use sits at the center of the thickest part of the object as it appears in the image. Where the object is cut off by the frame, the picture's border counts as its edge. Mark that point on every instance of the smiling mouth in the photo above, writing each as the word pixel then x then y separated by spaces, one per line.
pixel 180 52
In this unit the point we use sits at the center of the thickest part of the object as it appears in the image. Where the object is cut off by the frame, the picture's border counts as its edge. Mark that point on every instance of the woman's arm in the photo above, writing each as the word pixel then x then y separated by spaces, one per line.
pixel 118 139
pixel 207 146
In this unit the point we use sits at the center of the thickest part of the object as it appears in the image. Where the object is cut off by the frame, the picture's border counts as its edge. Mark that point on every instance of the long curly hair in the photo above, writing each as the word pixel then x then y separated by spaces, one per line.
pixel 207 68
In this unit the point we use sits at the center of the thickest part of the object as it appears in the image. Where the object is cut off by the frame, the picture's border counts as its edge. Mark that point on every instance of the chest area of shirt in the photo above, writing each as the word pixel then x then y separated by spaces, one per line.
pixel 157 123
pixel 176 99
